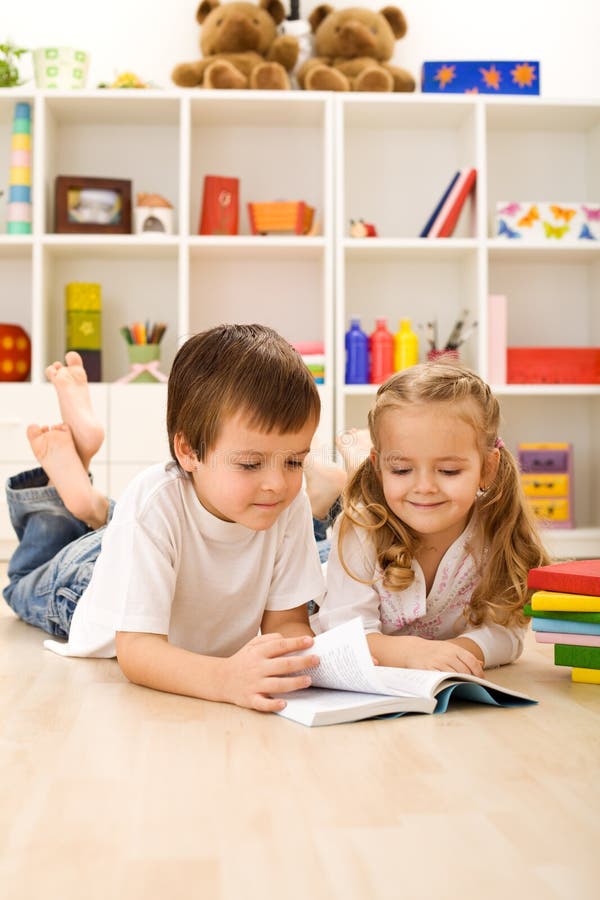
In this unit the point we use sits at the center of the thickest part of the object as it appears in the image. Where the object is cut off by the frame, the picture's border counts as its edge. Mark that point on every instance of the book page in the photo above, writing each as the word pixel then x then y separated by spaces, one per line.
pixel 316 706
pixel 345 660
pixel 418 682
pixel 428 683
pixel 346 665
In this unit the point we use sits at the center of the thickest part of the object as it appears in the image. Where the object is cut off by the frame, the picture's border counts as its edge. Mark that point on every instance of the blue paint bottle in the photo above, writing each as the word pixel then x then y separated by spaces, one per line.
pixel 357 354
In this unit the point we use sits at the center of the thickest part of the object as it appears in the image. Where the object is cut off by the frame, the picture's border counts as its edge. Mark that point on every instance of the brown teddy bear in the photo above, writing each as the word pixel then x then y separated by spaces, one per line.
pixel 352 48
pixel 240 48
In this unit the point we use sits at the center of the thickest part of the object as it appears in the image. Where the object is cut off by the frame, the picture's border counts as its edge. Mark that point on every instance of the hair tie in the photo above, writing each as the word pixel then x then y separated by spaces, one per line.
pixel 499 443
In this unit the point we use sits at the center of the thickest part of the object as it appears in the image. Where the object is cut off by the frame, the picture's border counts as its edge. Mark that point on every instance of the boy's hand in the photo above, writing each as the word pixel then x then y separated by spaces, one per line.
pixel 443 656
pixel 262 668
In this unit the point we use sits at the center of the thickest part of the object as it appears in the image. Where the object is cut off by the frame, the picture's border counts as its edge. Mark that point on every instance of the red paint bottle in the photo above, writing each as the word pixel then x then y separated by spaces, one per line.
pixel 381 346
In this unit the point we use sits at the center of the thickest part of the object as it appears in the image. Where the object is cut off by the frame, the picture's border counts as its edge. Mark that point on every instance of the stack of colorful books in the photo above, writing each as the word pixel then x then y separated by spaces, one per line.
pixel 565 611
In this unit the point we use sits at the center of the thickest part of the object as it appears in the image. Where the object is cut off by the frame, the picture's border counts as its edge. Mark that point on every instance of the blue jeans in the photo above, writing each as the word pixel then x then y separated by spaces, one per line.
pixel 320 527
pixel 53 564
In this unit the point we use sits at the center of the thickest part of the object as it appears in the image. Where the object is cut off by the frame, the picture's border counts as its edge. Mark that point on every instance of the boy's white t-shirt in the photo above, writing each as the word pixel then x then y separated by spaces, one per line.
pixel 168 566
pixel 435 615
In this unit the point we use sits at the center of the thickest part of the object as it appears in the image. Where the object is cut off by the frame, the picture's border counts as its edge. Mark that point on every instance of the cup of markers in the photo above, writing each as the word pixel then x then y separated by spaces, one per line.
pixel 143 348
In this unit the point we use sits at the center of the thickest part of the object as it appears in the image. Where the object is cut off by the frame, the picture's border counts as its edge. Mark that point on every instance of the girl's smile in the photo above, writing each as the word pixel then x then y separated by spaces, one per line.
pixel 430 467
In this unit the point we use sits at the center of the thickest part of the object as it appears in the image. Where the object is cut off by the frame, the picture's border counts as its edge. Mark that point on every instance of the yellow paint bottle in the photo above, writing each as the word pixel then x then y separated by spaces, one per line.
pixel 406 347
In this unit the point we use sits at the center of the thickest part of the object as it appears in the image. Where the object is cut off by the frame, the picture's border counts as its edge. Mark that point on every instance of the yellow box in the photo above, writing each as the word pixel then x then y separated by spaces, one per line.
pixel 541 485
pixel 83 296
pixel 83 307
pixel 551 510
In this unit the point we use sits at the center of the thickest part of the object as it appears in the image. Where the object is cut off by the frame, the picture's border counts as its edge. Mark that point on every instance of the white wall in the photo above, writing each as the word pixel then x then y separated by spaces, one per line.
pixel 123 35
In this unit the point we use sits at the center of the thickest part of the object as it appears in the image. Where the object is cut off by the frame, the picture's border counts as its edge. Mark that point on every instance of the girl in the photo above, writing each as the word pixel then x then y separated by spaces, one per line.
pixel 435 540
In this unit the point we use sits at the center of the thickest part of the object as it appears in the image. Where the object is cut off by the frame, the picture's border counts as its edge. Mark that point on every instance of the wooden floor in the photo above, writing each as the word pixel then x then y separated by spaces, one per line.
pixel 112 791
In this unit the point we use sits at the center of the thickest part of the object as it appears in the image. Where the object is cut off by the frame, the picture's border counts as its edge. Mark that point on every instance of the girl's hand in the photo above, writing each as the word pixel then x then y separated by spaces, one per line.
pixel 262 668
pixel 443 656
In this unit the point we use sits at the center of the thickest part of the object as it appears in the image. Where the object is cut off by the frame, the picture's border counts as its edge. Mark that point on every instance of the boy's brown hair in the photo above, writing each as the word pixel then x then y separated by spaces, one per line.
pixel 238 368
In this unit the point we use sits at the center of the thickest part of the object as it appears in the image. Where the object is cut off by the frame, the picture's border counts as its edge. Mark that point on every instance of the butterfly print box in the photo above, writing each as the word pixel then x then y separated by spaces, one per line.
pixel 531 221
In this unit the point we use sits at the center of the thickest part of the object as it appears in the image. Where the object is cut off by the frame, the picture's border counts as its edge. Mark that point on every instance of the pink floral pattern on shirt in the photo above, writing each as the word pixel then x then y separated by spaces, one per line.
pixel 440 614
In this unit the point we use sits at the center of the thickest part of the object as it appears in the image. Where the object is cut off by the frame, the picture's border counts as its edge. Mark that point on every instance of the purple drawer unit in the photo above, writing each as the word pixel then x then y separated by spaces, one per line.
pixel 544 460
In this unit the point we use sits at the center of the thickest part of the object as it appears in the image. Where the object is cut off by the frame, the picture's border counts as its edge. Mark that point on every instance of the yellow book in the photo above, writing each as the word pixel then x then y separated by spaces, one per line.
pixel 585 676
pixel 565 602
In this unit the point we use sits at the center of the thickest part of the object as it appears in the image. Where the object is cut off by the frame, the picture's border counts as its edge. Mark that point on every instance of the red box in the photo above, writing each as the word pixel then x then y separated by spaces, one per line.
pixel 553 365
pixel 220 205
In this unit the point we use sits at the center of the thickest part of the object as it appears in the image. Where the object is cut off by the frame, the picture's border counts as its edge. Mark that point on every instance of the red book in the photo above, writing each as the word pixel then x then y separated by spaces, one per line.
pixel 447 218
pixel 220 205
pixel 581 576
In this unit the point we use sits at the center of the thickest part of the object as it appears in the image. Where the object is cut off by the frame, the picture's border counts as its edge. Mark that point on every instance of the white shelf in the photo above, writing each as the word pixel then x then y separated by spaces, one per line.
pixel 267 247
pixel 584 252
pixel 383 158
pixel 111 246
pixel 581 543
pixel 409 248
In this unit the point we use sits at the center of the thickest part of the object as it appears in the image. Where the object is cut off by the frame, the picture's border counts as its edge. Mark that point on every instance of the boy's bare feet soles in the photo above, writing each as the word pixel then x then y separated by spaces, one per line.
pixel 354 446
pixel 56 453
pixel 324 484
pixel 75 405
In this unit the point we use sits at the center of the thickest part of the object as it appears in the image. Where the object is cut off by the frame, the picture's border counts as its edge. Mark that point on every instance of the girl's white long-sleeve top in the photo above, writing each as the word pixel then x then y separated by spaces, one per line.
pixel 437 615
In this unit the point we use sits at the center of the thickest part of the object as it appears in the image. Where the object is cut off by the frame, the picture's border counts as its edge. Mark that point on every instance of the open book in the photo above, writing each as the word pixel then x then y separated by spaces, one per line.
pixel 347 685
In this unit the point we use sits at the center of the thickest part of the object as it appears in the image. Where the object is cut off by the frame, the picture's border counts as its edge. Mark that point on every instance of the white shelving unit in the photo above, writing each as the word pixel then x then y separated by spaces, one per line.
pixel 278 145
pixel 394 158
pixel 384 158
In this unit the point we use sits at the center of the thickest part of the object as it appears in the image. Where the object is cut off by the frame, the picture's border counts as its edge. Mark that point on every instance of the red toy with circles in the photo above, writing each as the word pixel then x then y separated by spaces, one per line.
pixel 15 353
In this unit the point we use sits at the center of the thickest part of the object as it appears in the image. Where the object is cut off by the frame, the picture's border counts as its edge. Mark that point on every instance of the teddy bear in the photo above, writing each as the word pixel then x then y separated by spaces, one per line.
pixel 352 48
pixel 240 48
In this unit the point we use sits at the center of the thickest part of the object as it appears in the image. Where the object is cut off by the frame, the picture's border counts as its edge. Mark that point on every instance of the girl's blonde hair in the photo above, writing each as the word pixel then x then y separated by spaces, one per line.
pixel 507 528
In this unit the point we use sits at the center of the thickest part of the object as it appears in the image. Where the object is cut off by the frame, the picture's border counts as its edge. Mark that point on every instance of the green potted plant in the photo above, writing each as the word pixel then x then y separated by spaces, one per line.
pixel 9 54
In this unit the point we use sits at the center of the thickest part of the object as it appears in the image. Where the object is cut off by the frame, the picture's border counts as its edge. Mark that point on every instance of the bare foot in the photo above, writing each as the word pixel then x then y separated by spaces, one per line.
pixel 325 481
pixel 55 451
pixel 75 405
pixel 354 446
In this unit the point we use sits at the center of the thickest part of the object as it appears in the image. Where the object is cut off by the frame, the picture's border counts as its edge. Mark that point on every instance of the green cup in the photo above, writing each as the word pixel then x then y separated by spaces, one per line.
pixel 142 354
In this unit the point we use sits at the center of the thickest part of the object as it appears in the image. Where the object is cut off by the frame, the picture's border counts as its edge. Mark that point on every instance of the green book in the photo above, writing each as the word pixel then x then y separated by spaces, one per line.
pixel 581 657
pixel 556 614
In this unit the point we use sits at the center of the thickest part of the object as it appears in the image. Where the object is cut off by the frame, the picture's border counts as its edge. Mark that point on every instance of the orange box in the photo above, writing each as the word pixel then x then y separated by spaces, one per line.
pixel 296 217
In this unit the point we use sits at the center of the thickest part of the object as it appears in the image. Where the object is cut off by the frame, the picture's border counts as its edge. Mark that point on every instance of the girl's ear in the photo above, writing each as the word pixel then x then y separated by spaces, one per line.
pixel 490 468
pixel 374 458
pixel 186 455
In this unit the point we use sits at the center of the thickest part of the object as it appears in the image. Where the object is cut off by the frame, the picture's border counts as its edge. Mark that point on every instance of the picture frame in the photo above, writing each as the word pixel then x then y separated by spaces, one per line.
pixel 85 205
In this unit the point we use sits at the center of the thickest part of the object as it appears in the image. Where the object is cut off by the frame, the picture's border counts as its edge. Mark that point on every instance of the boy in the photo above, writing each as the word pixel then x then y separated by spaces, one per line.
pixel 200 553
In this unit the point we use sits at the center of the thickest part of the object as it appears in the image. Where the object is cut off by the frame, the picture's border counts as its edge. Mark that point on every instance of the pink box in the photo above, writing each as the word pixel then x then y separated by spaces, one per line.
pixel 497 338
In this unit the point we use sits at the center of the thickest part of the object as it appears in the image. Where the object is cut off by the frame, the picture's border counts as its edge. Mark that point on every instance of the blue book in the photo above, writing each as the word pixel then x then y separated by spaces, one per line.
pixel 436 211
pixel 565 626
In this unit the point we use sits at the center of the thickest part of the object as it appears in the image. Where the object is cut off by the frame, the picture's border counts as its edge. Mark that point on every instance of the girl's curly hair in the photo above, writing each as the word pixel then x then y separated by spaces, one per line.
pixel 507 529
